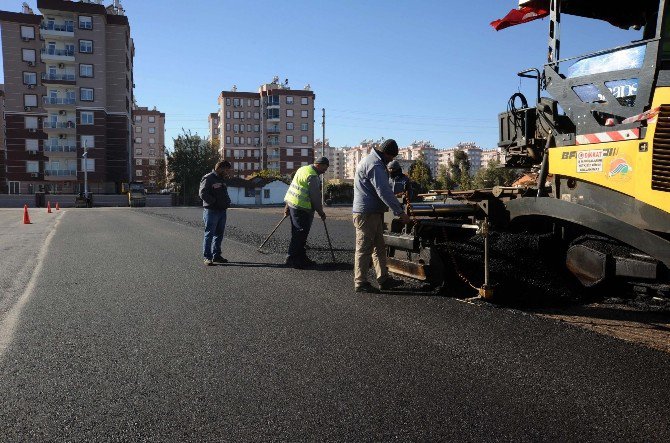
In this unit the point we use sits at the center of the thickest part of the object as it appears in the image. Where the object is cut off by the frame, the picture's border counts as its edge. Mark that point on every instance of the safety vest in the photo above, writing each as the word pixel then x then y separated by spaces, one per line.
pixel 298 193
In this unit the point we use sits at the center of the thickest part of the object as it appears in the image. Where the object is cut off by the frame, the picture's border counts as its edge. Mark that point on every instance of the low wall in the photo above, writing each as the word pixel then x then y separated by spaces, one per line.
pixel 67 200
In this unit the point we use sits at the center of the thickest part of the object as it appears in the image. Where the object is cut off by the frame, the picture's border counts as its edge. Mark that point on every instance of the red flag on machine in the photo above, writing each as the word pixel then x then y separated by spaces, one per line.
pixel 518 16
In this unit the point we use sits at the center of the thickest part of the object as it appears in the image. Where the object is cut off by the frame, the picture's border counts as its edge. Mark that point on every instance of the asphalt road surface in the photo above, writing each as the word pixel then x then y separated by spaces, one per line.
pixel 119 333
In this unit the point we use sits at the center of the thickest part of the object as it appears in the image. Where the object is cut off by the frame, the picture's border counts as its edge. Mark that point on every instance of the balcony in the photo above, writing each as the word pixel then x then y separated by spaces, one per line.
pixel 273 157
pixel 61 127
pixel 60 148
pixel 273 130
pixel 58 79
pixel 55 30
pixel 57 55
pixel 59 102
pixel 60 174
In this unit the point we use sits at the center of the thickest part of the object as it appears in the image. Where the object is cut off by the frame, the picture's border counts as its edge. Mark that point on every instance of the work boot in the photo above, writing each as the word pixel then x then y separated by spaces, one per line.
pixel 219 260
pixel 390 283
pixel 208 262
pixel 367 288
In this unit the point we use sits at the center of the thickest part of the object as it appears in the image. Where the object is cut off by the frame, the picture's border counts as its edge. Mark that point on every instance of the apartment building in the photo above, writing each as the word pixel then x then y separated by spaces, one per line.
pixel 272 128
pixel 354 155
pixel 417 150
pixel 148 145
pixel 491 155
pixel 213 127
pixel 335 157
pixel 68 89
pixel 3 152
pixel 474 153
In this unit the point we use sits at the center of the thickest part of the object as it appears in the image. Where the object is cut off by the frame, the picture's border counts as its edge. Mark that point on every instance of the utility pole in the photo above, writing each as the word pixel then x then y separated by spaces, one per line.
pixel 85 156
pixel 323 152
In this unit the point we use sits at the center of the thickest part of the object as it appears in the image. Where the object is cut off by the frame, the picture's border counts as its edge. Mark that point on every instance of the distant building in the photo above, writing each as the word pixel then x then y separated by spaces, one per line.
pixel 256 191
pixel 353 156
pixel 68 85
pixel 269 129
pixel 491 155
pixel 213 127
pixel 417 150
pixel 335 157
pixel 148 145
pixel 474 153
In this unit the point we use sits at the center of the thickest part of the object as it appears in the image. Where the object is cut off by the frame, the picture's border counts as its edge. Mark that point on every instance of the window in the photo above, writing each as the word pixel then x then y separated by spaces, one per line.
pixel 303 139
pixel 87 141
pixel 289 100
pixel 30 100
pixel 227 114
pixel 138 173
pixel 138 139
pixel 31 122
pixel 152 119
pixel 257 116
pixel 236 128
pixel 236 102
pixel 304 126
pixel 138 161
pixel 289 112
pixel 289 165
pixel 86 46
pixel 138 151
pixel 86 118
pixel 87 71
pixel 228 101
pixel 85 22
pixel 289 152
pixel 227 126
pixel 228 139
pixel 289 126
pixel 303 152
pixel 257 141
pixel 304 101
pixel 138 129
pixel 266 193
pixel 32 144
pixel 86 94
pixel 248 114
pixel 248 102
pixel 304 114
pixel 88 164
pixel 28 55
pixel 27 33
pixel 152 152
pixel 152 161
pixel 289 139
pixel 257 102
pixel 32 166
pixel 236 114
pixel 152 140
pixel 29 78
pixel 257 128
pixel 273 113
pixel 249 192
pixel 236 140
pixel 138 119
pixel 248 128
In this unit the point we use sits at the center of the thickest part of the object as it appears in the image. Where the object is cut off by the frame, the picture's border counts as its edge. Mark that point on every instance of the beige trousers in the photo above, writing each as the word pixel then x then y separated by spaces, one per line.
pixel 369 244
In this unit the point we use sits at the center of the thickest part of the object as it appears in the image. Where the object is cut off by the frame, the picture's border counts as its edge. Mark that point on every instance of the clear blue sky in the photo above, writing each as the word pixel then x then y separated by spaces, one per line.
pixel 410 70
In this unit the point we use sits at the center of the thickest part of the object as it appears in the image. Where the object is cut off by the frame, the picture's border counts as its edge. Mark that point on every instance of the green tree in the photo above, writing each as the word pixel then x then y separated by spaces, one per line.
pixel 459 169
pixel 161 177
pixel 271 174
pixel 419 174
pixel 444 180
pixel 495 175
pixel 191 158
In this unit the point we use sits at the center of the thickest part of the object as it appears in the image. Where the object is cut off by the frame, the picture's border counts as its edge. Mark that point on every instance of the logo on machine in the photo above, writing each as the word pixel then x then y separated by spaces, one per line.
pixel 619 169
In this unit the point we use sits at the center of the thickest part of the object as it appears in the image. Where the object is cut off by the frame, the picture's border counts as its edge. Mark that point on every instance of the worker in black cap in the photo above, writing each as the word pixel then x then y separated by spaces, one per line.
pixel 302 199
pixel 373 196
pixel 398 181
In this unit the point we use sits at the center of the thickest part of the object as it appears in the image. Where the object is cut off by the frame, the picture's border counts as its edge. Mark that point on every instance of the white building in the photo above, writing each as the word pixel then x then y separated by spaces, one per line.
pixel 256 191
pixel 491 155
pixel 474 153
pixel 417 150
pixel 336 158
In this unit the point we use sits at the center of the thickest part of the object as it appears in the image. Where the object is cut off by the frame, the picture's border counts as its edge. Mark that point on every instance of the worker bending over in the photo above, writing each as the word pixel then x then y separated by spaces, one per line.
pixel 399 182
pixel 302 199
pixel 373 196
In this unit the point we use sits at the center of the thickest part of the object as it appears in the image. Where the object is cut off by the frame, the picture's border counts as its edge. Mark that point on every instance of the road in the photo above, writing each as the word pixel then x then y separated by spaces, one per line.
pixel 119 333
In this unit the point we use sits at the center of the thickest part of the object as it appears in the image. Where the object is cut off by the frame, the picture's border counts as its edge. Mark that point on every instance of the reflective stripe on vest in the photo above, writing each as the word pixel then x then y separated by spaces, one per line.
pixel 298 192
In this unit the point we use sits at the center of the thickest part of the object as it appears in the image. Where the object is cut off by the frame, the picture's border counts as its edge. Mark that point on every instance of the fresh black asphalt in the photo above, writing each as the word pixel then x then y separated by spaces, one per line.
pixel 128 337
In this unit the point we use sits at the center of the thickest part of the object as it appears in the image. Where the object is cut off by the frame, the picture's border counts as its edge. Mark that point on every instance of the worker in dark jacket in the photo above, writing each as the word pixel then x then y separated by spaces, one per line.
pixel 399 182
pixel 302 199
pixel 215 201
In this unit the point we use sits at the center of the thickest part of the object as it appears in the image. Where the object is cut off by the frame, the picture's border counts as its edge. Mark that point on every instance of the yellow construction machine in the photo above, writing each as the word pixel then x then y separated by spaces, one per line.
pixel 598 141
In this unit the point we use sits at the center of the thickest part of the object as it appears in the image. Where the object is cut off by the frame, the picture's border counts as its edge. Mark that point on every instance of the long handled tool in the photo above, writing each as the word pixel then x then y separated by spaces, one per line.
pixel 328 237
pixel 271 233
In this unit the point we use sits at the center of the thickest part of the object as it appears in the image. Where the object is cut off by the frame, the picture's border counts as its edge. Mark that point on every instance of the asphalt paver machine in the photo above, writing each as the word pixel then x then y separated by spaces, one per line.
pixel 596 141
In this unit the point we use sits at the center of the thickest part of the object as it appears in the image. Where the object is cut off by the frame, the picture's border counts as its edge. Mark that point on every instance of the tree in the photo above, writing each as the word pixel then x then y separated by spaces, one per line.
pixel 459 169
pixel 494 175
pixel 191 158
pixel 161 177
pixel 444 180
pixel 272 174
pixel 419 174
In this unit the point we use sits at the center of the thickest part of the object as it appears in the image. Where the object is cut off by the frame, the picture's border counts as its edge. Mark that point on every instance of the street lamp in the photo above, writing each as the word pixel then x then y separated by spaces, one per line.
pixel 85 167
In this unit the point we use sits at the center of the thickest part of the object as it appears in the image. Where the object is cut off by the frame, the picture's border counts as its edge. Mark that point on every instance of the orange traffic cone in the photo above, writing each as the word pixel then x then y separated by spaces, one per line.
pixel 57 207
pixel 26 217
pixel 48 207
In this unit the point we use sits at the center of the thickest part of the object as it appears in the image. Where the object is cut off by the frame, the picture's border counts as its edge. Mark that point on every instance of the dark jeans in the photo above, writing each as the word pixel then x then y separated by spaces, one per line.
pixel 301 222
pixel 215 223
